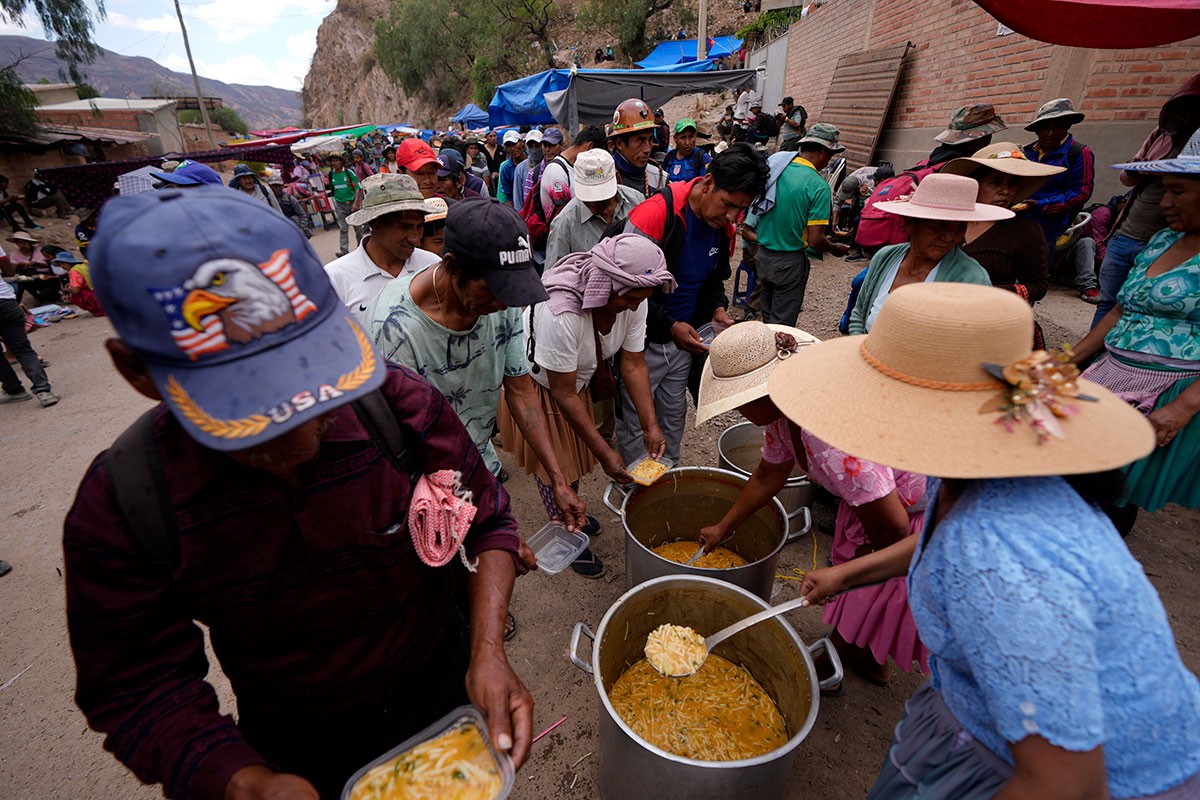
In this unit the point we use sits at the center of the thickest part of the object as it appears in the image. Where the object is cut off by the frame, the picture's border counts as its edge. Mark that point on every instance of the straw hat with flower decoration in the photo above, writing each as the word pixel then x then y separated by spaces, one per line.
pixel 946 384
pixel 1007 158
pixel 739 361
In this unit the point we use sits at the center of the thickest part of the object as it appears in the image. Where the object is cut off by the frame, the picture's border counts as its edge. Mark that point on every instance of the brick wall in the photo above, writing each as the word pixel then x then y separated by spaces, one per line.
pixel 117 119
pixel 957 58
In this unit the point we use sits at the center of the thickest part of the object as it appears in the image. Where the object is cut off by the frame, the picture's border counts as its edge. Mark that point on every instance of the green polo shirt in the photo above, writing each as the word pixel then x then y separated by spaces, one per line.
pixel 802 198
pixel 345 185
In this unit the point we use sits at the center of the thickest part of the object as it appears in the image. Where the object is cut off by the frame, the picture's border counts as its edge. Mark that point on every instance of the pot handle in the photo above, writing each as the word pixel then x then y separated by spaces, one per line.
pixel 824 645
pixel 608 493
pixel 581 630
pixel 807 513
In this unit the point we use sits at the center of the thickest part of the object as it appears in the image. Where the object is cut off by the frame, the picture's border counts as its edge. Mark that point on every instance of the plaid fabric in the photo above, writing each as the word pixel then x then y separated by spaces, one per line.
pixel 1137 386
pixel 137 181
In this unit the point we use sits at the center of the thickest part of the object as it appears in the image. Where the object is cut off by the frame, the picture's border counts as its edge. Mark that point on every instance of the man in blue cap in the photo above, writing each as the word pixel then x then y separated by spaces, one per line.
pixel 265 497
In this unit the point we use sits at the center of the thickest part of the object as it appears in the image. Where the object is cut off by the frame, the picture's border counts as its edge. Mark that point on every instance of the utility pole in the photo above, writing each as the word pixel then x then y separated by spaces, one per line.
pixel 701 32
pixel 196 80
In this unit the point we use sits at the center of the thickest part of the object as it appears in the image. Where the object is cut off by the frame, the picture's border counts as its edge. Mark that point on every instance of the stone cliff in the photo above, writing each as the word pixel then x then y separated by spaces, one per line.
pixel 344 85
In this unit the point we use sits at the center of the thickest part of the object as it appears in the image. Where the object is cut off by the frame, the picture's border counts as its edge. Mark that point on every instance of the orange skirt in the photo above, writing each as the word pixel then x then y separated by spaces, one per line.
pixel 574 457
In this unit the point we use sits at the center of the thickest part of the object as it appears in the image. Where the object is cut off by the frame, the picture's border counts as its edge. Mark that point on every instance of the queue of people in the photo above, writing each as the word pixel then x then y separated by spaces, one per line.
pixel 337 428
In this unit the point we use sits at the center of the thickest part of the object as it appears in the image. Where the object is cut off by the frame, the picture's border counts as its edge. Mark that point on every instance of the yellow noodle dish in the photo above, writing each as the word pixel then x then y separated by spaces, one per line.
pixel 647 471
pixel 717 558
pixel 719 714
pixel 454 766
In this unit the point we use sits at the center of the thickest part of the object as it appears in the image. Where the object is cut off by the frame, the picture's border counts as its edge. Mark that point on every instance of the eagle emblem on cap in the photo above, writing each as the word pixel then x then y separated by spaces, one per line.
pixel 232 301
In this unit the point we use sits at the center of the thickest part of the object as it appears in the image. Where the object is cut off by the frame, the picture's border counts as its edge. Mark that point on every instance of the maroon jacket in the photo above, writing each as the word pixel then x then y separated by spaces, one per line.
pixel 315 605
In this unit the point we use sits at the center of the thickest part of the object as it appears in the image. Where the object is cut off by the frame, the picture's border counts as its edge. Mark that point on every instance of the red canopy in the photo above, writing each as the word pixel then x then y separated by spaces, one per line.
pixel 1104 24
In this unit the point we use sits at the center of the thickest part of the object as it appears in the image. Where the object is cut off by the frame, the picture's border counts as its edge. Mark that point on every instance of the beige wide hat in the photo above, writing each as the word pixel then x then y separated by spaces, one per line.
pixel 1008 158
pixel 920 392
pixel 739 361
pixel 945 197
pixel 388 193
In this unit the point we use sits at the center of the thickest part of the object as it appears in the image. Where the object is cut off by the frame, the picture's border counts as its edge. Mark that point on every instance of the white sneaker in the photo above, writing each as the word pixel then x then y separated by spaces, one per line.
pixel 5 397
pixel 47 399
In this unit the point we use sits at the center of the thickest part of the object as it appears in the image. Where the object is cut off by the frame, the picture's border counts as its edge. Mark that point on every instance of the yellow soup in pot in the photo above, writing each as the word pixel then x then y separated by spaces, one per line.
pixel 454 766
pixel 717 558
pixel 719 714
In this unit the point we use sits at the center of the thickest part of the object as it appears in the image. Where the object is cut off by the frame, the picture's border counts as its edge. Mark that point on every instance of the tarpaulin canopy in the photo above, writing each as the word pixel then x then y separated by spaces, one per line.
pixel 89 185
pixel 332 143
pixel 1118 24
pixel 678 51
pixel 591 96
pixel 542 99
pixel 472 115
pixel 520 102
pixel 289 138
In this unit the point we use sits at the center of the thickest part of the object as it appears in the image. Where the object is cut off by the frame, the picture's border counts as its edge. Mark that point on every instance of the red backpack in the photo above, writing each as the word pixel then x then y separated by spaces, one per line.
pixel 537 219
pixel 878 228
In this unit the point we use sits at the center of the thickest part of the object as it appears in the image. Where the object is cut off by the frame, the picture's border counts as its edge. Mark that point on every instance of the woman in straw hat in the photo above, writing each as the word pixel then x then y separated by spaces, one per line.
pixel 877 505
pixel 1013 251
pixel 596 309
pixel 1055 671
pixel 1150 342
pixel 935 217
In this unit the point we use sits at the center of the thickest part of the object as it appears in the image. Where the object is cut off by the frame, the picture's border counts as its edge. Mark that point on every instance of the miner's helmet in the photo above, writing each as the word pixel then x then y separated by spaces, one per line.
pixel 632 115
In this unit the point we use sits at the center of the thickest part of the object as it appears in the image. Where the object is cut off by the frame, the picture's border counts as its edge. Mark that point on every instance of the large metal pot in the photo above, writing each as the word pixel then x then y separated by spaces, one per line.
pixel 739 449
pixel 682 502
pixel 632 768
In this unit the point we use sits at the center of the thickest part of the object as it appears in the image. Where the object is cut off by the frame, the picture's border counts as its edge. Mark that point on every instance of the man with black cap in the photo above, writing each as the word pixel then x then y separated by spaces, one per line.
pixel 662 135
pixel 459 324
pixel 453 179
pixel 793 121
pixel 271 496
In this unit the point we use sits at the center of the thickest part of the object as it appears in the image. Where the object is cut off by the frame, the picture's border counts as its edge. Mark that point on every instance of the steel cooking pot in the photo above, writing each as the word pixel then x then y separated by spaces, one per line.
pixel 739 449
pixel 632 768
pixel 678 505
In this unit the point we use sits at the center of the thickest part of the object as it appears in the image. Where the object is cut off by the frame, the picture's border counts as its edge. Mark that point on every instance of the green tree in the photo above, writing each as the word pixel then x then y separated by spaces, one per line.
pixel 85 91
pixel 70 23
pixel 228 118
pixel 626 20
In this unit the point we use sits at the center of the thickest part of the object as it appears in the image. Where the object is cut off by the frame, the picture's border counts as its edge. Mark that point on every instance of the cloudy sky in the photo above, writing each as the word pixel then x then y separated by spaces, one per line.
pixel 263 42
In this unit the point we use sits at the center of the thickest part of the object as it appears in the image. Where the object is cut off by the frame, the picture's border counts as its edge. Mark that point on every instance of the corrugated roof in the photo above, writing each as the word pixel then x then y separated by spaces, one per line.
pixel 50 135
pixel 108 104
pixel 859 97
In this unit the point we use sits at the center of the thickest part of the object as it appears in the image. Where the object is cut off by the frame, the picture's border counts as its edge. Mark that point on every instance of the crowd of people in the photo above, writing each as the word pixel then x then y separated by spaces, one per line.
pixel 326 465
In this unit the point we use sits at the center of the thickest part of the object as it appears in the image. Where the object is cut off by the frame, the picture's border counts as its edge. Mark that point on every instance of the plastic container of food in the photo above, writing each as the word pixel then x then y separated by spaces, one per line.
pixel 466 721
pixel 647 470
pixel 709 331
pixel 556 547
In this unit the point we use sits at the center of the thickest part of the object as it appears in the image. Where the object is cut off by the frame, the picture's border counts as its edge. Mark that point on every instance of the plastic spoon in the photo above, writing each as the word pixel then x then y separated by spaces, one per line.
pixel 694 558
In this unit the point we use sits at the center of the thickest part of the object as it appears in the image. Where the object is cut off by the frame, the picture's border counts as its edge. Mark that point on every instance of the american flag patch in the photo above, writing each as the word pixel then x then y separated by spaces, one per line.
pixel 194 343
pixel 279 269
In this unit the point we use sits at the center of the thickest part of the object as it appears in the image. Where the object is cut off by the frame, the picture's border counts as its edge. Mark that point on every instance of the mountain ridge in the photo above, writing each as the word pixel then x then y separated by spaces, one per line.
pixel 115 75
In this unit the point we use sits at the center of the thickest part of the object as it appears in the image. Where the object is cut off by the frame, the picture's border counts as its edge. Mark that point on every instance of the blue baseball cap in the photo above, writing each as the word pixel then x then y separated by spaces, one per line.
pixel 190 173
pixel 231 311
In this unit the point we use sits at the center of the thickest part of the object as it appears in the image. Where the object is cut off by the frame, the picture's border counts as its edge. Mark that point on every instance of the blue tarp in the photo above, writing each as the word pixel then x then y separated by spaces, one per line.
pixel 678 51
pixel 520 102
pixel 471 115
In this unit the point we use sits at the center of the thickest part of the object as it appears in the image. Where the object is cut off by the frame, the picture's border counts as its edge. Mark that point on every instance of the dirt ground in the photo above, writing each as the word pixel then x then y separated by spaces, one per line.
pixel 47 751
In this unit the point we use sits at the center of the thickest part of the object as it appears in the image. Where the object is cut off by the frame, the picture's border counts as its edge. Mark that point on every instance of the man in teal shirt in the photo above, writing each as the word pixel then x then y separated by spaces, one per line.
pixel 794 228
pixel 345 187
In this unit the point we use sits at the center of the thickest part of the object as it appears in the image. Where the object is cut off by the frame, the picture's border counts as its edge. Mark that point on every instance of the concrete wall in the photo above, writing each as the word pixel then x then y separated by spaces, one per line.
pixel 959 56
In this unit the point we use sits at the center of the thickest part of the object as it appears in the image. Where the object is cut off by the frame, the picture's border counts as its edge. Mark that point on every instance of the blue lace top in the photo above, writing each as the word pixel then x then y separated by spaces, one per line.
pixel 1041 622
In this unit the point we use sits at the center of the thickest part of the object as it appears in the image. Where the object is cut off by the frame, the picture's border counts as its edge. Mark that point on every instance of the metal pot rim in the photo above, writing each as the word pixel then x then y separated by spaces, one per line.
pixel 707 571
pixel 792 481
pixel 779 752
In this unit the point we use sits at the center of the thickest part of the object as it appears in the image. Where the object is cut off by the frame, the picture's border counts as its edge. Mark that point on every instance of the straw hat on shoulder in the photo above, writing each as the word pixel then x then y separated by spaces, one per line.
pixel 920 392
pixel 739 361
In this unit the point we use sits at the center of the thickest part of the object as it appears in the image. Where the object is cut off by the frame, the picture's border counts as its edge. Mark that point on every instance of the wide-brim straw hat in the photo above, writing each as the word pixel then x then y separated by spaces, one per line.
pixel 739 362
pixel 945 197
pixel 1008 158
pixel 22 236
pixel 914 394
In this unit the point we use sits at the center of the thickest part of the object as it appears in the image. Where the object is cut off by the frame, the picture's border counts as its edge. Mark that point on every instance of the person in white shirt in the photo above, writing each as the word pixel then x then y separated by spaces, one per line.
pixel 395 209
pixel 596 308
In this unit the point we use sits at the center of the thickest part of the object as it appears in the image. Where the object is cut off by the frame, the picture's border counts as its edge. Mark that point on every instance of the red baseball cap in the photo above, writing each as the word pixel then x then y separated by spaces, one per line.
pixel 412 154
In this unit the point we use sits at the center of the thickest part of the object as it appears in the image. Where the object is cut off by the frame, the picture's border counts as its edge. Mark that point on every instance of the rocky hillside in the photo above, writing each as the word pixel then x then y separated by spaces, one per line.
pixel 115 75
pixel 344 85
